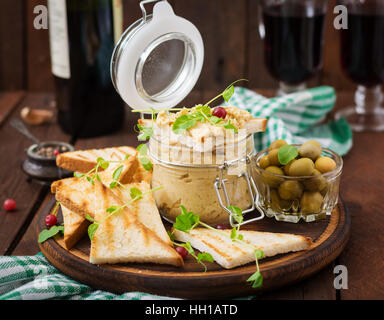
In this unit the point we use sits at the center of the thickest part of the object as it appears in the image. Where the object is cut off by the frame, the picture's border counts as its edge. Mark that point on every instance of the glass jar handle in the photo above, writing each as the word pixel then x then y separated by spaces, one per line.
pixel 220 185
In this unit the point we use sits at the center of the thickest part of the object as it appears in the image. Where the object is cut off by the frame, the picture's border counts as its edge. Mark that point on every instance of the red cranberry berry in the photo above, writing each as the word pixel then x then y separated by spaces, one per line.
pixel 219 112
pixel 9 205
pixel 222 226
pixel 50 220
pixel 182 251
pixel 56 152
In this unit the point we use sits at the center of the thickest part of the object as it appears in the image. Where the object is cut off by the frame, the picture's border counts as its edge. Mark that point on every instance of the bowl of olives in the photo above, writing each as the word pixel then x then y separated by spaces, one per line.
pixel 297 182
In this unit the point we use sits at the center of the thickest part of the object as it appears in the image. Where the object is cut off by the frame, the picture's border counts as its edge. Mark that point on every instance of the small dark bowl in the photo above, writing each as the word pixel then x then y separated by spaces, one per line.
pixel 43 168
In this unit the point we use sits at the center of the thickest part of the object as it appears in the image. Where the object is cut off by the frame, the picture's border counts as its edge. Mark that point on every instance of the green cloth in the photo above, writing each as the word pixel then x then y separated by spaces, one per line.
pixel 34 278
pixel 293 117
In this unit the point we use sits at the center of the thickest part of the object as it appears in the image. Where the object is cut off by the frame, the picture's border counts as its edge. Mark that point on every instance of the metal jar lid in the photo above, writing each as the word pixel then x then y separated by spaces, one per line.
pixel 158 59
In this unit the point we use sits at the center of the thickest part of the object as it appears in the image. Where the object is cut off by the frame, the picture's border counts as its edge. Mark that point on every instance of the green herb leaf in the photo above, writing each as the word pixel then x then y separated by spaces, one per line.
pixel 205 256
pixel 171 236
pixel 216 120
pixel 183 123
pixel 228 93
pixel 259 254
pixel 135 193
pixel 230 126
pixel 186 220
pixel 89 218
pixel 145 133
pixel 127 156
pixel 92 229
pixel 143 159
pixel 78 174
pixel 287 153
pixel 117 173
pixel 113 185
pixel 234 233
pixel 188 247
pixel 146 163
pixel 256 279
pixel 49 233
pixel 113 209
pixel 237 214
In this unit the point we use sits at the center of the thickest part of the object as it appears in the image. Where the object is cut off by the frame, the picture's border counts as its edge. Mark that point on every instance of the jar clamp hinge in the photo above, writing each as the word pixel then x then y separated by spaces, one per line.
pixel 220 184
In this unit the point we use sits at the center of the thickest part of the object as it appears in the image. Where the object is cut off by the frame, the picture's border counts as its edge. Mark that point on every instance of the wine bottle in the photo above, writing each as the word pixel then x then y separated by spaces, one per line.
pixel 82 38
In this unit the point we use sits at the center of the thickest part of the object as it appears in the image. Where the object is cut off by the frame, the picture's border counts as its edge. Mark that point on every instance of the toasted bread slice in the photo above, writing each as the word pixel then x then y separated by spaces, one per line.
pixel 256 125
pixel 145 209
pixel 75 226
pixel 78 195
pixel 122 238
pixel 231 254
pixel 85 160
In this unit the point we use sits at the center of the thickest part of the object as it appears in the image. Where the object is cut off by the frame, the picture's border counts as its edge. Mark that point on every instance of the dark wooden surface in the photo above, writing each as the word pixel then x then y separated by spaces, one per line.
pixel 362 188
pixel 233 48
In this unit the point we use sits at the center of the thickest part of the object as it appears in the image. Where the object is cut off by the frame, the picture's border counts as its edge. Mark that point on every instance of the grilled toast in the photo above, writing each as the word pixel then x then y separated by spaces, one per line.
pixel 231 254
pixel 75 227
pixel 122 238
pixel 85 160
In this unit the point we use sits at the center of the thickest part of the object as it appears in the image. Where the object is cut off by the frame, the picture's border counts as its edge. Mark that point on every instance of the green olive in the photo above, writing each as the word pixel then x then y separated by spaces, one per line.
pixel 274 158
pixel 290 190
pixel 264 162
pixel 278 204
pixel 325 164
pixel 288 166
pixel 269 178
pixel 277 144
pixel 302 167
pixel 310 149
pixel 317 183
pixel 311 202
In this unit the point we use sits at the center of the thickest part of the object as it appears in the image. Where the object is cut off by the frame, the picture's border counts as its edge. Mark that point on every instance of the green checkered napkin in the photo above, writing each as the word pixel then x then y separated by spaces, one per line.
pixel 34 278
pixel 295 118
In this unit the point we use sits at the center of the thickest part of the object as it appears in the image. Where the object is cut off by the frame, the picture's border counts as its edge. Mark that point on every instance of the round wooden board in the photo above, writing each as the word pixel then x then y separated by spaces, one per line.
pixel 329 236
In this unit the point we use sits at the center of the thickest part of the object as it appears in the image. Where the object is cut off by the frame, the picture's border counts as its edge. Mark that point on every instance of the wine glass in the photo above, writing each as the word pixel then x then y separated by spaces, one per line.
pixel 293 34
pixel 362 60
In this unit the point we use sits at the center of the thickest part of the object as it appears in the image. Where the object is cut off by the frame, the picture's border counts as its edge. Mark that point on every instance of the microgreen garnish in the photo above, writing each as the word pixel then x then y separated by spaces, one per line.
pixel 145 133
pixel 200 257
pixel 135 194
pixel 94 173
pixel 116 176
pixel 200 113
pixel 143 157
pixel 49 233
pixel 287 153
pixel 187 221
pixel 227 93
pixel 230 126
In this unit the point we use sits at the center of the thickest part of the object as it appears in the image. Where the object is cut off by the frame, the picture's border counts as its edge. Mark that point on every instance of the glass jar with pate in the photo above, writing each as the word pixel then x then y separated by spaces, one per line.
pixel 206 169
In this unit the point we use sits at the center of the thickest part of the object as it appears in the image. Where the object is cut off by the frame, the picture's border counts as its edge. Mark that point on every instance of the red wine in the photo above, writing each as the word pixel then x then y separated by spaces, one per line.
pixel 362 48
pixel 293 42
pixel 82 36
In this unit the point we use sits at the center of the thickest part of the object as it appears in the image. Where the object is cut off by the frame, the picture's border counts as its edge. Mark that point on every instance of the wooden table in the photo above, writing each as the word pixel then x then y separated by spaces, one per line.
pixel 362 189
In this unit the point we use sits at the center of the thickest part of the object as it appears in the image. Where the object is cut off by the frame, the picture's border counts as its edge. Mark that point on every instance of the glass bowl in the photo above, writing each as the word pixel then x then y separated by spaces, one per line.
pixel 294 198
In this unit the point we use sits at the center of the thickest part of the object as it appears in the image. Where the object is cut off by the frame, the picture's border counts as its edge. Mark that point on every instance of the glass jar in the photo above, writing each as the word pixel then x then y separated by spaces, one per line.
pixel 204 182
pixel 311 198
